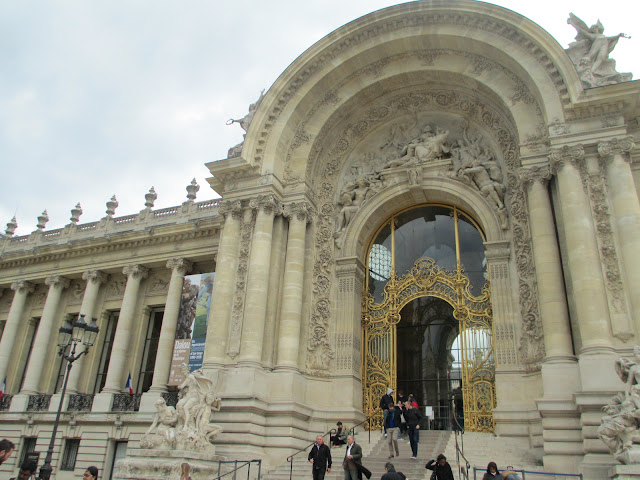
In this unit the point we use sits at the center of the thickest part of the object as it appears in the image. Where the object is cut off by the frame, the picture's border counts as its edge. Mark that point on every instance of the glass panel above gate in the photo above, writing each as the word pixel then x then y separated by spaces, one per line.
pixel 422 262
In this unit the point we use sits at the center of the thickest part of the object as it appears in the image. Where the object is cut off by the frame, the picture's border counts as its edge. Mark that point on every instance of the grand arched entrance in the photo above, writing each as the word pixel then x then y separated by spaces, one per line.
pixel 427 316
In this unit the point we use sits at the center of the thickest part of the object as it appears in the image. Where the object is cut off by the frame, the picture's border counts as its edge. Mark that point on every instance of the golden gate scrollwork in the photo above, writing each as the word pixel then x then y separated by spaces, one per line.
pixel 379 321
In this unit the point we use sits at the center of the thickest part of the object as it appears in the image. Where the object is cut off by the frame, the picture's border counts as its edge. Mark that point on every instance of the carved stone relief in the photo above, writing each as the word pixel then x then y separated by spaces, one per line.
pixel 367 175
pixel 237 310
pixel 115 287
pixel 76 292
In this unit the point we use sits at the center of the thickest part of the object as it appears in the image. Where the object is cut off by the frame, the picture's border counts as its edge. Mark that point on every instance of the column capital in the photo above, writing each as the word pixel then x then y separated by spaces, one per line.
pixel 95 276
pixel 267 203
pixel 23 286
pixel 181 265
pixel 616 146
pixel 299 210
pixel 57 280
pixel 559 157
pixel 135 271
pixel 529 176
pixel 233 207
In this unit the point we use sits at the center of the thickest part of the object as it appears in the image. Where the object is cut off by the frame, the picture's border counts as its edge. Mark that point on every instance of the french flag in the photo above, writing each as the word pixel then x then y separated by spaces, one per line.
pixel 129 384
pixel 3 387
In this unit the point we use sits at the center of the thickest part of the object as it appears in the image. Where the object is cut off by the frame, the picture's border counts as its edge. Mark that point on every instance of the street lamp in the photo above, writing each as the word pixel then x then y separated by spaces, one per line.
pixel 69 336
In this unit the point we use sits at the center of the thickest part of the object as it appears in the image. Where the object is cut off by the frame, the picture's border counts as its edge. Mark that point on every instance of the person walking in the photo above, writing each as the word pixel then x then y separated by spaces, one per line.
pixel 352 458
pixel 384 405
pixel 392 425
pixel 413 417
pixel 320 458
pixel 441 468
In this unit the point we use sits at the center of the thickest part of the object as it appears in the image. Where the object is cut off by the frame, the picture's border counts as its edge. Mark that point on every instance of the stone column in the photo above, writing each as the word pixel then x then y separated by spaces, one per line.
pixel 223 284
pixel 120 350
pixel 291 313
pixel 45 335
pixel 258 280
pixel 584 267
pixel 16 311
pixel 179 267
pixel 626 213
pixel 94 279
pixel 554 312
pixel 560 373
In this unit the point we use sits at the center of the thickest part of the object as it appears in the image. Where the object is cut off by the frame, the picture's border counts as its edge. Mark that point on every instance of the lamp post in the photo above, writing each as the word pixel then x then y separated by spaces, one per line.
pixel 69 337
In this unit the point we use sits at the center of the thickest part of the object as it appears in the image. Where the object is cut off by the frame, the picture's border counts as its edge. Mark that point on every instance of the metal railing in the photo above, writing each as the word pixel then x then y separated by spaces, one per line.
pixel 524 474
pixel 352 430
pixel 238 465
pixel 459 430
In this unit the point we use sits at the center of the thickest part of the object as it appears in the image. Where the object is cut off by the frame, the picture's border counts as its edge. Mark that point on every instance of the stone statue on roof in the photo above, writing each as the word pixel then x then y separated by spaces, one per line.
pixel 590 54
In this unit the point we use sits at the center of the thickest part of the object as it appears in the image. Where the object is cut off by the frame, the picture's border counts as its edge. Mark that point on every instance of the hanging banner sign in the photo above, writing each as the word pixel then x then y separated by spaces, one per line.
pixel 193 319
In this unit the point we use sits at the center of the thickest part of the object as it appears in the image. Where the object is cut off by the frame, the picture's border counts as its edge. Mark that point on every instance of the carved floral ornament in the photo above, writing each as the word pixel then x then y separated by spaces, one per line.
pixel 572 155
pixel 233 207
pixel 268 204
pixel 617 146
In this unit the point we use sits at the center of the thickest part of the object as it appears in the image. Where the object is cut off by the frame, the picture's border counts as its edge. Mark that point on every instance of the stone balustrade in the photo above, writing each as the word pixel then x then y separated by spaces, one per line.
pixel 145 220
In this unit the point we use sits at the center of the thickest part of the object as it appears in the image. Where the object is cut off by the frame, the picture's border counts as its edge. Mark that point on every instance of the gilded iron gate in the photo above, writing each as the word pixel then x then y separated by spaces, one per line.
pixel 427 279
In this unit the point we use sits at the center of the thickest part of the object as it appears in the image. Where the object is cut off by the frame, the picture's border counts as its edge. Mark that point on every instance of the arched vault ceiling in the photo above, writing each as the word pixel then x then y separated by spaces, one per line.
pixel 434 97
pixel 497 48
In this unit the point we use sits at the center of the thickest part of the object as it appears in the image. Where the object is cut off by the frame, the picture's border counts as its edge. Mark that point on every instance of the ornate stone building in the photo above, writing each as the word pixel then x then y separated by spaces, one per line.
pixel 435 197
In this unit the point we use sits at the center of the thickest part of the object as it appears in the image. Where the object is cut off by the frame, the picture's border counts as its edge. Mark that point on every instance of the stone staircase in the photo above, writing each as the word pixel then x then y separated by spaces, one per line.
pixel 481 448
pixel 375 455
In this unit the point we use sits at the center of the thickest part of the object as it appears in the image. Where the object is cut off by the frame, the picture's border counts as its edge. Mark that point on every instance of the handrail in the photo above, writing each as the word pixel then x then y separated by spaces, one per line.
pixel 352 430
pixel 235 470
pixel 459 429
pixel 531 472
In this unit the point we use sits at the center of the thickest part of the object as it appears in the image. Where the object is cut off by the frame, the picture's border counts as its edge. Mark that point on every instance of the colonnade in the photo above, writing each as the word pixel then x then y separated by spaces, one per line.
pixel 259 215
pixel 248 332
pixel 575 362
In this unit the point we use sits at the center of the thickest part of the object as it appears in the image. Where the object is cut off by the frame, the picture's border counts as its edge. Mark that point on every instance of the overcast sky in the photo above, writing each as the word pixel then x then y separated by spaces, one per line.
pixel 112 97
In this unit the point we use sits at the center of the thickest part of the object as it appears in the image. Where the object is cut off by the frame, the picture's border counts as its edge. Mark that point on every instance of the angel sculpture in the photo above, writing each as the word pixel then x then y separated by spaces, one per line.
pixel 590 54
pixel 629 371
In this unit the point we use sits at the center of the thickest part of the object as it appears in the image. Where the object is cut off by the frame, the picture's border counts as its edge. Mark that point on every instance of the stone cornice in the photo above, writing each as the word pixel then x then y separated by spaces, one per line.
pixel 100 246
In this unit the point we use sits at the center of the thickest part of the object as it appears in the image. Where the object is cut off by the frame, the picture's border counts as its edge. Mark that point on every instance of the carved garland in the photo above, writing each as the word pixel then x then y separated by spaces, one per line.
pixel 333 162
pixel 237 310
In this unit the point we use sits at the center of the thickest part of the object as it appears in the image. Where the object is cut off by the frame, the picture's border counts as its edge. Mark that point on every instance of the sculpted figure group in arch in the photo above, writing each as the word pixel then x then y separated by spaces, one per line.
pixel 471 162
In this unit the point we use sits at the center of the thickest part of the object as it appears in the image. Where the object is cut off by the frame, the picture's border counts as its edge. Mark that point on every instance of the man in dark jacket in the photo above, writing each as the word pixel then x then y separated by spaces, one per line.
pixel 320 458
pixel 413 417
pixel 384 405
pixel 391 473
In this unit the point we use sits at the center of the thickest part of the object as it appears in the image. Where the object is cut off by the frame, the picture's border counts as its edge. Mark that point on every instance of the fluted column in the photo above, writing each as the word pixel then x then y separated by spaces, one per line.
pixel 554 312
pixel 291 313
pixel 258 279
pixel 120 350
pixel 223 284
pixel 16 311
pixel 582 252
pixel 45 334
pixel 94 279
pixel 179 267
pixel 626 213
